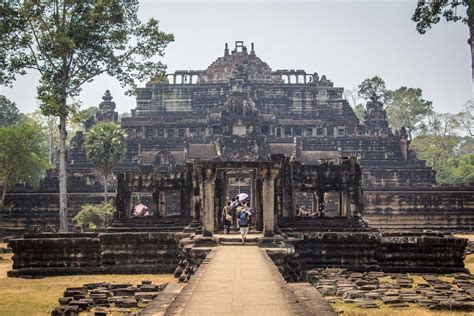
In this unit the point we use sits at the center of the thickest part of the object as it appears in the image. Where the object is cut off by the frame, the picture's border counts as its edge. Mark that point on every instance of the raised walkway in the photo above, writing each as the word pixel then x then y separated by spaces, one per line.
pixel 238 280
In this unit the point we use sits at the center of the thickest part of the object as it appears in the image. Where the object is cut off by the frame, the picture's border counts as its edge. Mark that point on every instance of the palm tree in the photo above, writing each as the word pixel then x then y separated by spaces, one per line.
pixel 105 144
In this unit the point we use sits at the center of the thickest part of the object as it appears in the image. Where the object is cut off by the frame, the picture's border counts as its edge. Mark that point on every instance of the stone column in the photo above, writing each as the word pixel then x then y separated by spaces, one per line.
pixel 345 204
pixel 208 202
pixel 162 203
pixel 269 176
pixel 339 203
pixel 314 202
pixel 123 204
pixel 321 204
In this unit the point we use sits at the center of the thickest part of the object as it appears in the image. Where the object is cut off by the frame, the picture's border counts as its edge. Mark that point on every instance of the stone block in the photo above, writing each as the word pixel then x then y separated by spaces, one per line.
pixel 126 303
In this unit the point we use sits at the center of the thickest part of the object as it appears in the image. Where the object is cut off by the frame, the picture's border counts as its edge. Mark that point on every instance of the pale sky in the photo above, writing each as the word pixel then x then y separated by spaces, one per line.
pixel 348 41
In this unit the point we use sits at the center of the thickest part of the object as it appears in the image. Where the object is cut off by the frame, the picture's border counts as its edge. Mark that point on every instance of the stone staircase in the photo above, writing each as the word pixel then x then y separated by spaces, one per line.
pixel 152 224
pixel 310 224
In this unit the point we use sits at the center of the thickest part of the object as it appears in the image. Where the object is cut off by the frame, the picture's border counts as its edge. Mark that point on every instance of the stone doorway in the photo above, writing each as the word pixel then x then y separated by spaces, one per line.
pixel 217 183
pixel 232 182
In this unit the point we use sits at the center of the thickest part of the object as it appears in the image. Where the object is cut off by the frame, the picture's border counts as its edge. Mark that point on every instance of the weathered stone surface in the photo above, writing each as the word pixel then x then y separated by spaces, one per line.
pixel 126 302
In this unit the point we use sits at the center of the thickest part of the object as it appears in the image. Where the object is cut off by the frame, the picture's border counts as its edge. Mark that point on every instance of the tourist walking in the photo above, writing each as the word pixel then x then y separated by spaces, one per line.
pixel 250 211
pixel 227 217
pixel 243 221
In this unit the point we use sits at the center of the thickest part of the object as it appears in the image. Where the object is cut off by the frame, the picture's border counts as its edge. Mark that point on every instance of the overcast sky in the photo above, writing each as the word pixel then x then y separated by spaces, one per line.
pixel 348 41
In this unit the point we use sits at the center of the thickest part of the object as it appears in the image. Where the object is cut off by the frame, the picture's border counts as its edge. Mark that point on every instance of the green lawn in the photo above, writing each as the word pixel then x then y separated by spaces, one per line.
pixel 20 297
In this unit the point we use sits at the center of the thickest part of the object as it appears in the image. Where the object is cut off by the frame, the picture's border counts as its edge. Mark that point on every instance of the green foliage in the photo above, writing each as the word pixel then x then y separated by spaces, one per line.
pixel 49 127
pixel 465 118
pixel 96 214
pixel 372 85
pixel 443 149
pixel 72 42
pixel 406 108
pixel 428 13
pixel 356 102
pixel 9 113
pixel 123 115
pixel 105 144
pixel 23 156
pixel 84 115
pixel 359 110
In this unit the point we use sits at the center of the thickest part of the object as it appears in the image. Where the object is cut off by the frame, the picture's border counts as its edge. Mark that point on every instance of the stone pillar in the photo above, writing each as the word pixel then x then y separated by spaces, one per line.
pixel 346 207
pixel 339 203
pixel 314 202
pixel 269 176
pixel 321 204
pixel 208 202
pixel 123 199
pixel 162 203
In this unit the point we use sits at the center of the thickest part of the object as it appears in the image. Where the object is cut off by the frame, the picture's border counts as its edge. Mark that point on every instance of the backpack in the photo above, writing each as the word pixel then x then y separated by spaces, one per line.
pixel 244 219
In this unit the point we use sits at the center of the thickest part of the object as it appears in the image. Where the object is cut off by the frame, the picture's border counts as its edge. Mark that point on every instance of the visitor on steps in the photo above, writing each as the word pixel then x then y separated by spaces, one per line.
pixel 233 207
pixel 227 217
pixel 238 210
pixel 243 220
pixel 250 211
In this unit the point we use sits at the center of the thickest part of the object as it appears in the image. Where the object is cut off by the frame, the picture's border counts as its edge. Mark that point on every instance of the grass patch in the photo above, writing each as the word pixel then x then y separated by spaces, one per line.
pixel 385 280
pixel 469 237
pixel 39 296
pixel 469 263
pixel 417 279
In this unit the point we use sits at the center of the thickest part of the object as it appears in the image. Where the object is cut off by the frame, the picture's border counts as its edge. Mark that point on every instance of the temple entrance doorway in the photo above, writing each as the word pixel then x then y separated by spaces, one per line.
pixel 318 204
pixel 239 182
pixel 217 179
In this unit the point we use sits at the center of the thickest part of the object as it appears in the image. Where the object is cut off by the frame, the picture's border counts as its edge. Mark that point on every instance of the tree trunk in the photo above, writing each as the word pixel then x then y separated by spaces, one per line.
pixel 63 222
pixel 470 23
pixel 105 189
pixel 51 151
pixel 5 185
pixel 4 194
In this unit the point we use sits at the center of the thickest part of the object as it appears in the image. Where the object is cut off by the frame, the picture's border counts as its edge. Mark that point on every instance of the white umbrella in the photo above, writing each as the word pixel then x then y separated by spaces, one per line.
pixel 140 210
pixel 242 196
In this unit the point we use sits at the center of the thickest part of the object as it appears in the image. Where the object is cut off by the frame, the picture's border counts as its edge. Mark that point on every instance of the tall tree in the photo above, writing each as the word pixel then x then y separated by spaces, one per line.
pixel 437 142
pixel 356 102
pixel 22 155
pixel 406 108
pixel 429 12
pixel 71 42
pixel 9 113
pixel 49 126
pixel 105 144
pixel 465 118
pixel 372 85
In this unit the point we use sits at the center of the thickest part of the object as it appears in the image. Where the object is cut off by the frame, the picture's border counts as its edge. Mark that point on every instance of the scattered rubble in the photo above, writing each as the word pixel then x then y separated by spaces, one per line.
pixel 371 289
pixel 103 298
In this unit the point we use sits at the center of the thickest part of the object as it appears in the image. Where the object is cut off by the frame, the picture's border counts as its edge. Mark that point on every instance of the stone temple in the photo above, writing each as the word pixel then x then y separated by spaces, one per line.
pixel 240 109
pixel 287 138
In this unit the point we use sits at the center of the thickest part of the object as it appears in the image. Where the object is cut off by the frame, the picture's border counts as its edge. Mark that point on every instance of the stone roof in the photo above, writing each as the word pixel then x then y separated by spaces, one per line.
pixel 281 148
pixel 238 62
pixel 314 156
pixel 201 151
pixel 178 156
